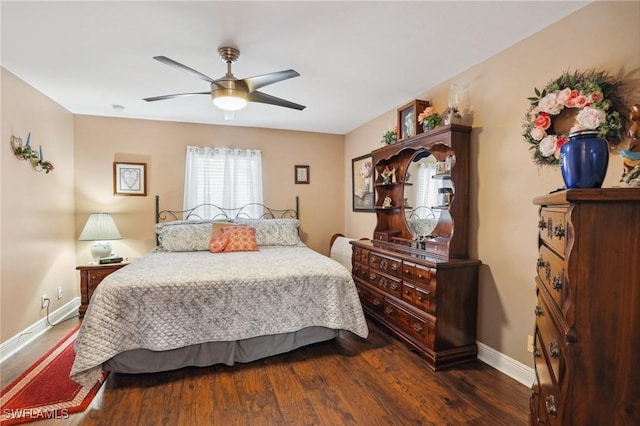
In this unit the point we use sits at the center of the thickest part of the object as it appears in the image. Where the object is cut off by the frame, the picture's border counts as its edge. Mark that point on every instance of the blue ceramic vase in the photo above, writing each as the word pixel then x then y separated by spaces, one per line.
pixel 584 159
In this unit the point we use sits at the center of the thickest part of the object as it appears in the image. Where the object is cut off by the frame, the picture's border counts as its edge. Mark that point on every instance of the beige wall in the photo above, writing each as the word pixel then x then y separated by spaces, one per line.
pixel 37 251
pixel 100 141
pixel 504 180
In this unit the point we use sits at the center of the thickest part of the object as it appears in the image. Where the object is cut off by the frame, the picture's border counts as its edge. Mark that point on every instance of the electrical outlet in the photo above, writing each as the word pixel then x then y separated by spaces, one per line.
pixel 530 344
pixel 45 300
pixel 59 293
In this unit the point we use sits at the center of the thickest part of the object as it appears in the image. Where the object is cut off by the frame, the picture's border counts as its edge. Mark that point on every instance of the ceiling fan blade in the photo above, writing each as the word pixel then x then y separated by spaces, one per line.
pixel 177 95
pixel 272 100
pixel 185 68
pixel 255 83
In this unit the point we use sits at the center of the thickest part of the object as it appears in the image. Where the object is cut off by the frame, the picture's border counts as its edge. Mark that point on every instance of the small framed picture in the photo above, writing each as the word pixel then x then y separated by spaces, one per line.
pixel 408 125
pixel 302 174
pixel 362 175
pixel 130 179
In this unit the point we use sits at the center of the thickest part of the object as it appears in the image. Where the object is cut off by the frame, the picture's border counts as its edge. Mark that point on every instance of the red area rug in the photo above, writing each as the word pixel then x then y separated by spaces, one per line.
pixel 45 390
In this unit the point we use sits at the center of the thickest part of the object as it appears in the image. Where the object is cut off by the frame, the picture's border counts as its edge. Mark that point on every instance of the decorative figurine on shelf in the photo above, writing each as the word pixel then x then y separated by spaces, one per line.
pixel 388 175
pixel 387 202
pixel 631 157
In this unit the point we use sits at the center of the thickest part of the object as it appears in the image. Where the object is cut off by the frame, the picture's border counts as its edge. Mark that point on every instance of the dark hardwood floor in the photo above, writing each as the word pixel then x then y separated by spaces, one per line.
pixel 346 381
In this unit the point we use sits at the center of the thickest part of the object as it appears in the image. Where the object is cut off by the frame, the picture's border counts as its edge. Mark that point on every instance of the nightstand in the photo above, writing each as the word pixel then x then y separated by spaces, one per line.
pixel 90 277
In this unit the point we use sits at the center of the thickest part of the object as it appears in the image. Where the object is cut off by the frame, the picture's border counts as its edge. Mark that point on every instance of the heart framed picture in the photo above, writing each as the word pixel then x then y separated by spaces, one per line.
pixel 130 179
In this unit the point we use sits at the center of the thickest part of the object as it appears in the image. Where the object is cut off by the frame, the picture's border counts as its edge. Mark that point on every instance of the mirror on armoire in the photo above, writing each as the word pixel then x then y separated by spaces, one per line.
pixel 428 190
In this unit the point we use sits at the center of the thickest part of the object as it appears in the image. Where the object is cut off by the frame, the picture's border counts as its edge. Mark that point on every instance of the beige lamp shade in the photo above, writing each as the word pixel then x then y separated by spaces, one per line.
pixel 101 229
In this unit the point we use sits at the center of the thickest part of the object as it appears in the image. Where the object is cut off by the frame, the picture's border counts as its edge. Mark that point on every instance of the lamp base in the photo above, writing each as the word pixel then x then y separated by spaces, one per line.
pixel 100 249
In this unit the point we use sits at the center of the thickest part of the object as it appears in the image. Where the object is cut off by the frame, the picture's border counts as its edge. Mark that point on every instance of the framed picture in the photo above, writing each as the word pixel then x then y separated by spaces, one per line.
pixel 130 179
pixel 408 125
pixel 302 174
pixel 363 191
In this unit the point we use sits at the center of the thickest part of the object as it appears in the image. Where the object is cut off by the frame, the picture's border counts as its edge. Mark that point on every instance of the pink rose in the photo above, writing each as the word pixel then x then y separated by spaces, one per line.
pixel 537 133
pixel 580 101
pixel 543 121
pixel 595 97
pixel 591 118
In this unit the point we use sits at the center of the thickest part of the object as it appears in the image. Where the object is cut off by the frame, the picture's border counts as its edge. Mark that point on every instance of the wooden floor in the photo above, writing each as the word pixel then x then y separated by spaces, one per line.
pixel 346 381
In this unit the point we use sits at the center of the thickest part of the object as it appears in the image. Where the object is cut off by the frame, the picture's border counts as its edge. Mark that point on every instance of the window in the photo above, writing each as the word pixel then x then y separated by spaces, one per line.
pixel 228 178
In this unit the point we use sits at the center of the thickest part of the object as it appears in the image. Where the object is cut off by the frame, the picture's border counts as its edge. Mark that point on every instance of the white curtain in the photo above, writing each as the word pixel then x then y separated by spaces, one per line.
pixel 228 178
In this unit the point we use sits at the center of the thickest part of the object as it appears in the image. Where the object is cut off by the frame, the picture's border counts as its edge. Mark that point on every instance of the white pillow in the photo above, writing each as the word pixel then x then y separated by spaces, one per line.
pixel 184 235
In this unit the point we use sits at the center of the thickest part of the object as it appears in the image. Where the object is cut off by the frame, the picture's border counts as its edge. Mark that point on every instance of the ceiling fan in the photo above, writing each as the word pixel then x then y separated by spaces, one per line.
pixel 229 93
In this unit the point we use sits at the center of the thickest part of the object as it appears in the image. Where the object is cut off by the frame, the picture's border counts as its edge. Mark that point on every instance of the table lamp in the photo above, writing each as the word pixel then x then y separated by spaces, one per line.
pixel 101 229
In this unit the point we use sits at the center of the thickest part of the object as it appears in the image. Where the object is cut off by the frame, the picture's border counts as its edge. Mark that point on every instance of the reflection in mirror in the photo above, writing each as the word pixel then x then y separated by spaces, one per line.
pixel 427 191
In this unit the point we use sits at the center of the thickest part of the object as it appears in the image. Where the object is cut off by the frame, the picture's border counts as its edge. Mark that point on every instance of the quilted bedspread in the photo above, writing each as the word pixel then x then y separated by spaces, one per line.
pixel 170 300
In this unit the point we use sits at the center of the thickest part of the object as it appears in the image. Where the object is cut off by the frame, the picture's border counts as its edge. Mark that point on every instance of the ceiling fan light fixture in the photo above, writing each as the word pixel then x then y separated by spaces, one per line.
pixel 229 99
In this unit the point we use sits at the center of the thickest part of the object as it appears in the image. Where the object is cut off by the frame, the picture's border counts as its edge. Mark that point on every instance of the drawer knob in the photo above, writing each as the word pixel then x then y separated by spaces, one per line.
pixel 536 352
pixel 93 277
pixel 541 224
pixel 420 298
pixel 373 259
pixel 388 310
pixel 557 282
pixel 554 349
pixel 538 311
pixel 393 285
pixel 376 302
pixel 383 282
pixel 372 276
pixel 407 292
pixel 383 264
pixel 407 272
pixel 551 406
pixel 394 266
pixel 417 327
pixel 540 262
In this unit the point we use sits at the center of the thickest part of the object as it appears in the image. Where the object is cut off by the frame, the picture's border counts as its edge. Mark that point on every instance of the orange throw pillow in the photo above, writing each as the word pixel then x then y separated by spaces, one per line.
pixel 218 243
pixel 241 238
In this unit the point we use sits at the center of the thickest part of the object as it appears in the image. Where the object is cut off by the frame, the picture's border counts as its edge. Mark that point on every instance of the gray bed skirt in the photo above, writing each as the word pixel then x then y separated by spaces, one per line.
pixel 210 353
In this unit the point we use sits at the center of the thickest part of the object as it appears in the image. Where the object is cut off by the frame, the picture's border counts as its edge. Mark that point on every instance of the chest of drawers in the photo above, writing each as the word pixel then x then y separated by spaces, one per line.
pixel 587 316
pixel 430 305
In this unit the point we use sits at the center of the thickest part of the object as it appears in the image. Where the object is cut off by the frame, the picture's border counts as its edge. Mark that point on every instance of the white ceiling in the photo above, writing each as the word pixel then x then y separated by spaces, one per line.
pixel 357 59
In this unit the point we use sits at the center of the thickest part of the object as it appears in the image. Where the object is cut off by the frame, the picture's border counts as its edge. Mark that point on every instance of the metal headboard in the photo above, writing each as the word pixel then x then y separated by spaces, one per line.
pixel 221 213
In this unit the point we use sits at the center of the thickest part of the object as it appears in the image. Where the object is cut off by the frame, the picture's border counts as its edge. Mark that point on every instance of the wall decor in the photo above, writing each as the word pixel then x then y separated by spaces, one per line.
pixel 302 174
pixel 130 179
pixel 363 191
pixel 408 118
pixel 27 153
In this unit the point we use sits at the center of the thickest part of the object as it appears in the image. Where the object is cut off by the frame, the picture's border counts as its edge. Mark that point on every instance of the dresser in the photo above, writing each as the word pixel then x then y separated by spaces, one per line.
pixel 90 277
pixel 414 277
pixel 587 316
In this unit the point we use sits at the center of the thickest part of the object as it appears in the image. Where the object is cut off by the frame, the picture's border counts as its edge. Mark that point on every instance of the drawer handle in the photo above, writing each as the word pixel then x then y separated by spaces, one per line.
pixel 417 327
pixel 383 264
pixel 388 310
pixel 557 282
pixel 558 231
pixel 554 350
pixel 541 224
pixel 420 276
pixel 407 272
pixel 376 302
pixel 420 298
pixel 551 406
pixel 383 282
pixel 393 285
pixel 373 259
pixel 372 276
pixel 407 292
pixel 394 266
pixel 540 262
pixel 538 311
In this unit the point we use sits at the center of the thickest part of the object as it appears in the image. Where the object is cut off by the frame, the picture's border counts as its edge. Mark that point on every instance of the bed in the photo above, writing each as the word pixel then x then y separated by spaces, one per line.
pixel 182 305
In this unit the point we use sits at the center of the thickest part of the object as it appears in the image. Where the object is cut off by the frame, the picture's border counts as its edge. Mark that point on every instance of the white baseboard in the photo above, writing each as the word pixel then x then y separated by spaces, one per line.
pixel 509 366
pixel 30 334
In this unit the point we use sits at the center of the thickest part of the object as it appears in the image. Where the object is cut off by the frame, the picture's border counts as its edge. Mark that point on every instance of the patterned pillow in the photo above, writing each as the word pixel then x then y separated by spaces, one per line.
pixel 219 242
pixel 275 232
pixel 184 235
pixel 241 238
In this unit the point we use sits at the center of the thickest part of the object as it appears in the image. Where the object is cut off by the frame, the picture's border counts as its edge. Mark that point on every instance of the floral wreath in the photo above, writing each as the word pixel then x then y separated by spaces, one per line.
pixel 599 104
